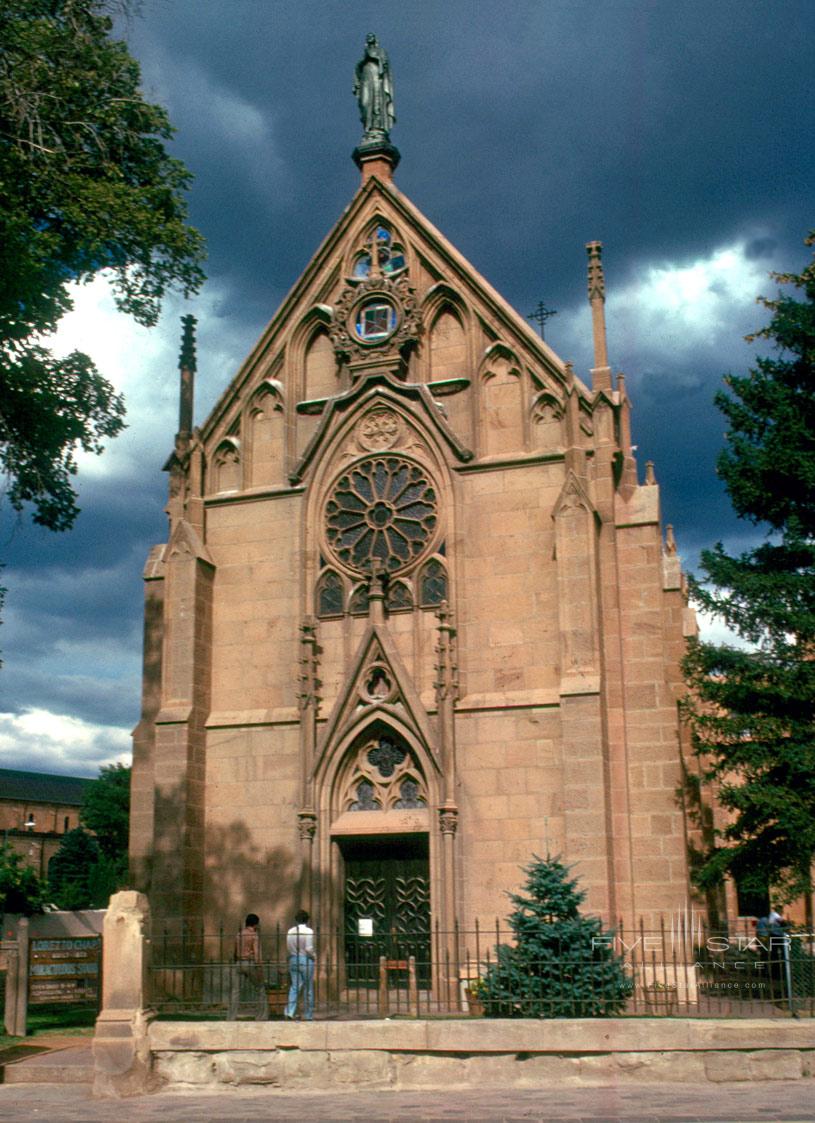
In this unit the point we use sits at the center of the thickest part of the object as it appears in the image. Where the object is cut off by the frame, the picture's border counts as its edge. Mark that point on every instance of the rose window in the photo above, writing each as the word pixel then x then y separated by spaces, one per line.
pixel 383 510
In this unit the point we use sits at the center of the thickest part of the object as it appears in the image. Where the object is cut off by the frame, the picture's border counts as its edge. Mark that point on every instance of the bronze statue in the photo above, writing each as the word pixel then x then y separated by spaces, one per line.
pixel 373 89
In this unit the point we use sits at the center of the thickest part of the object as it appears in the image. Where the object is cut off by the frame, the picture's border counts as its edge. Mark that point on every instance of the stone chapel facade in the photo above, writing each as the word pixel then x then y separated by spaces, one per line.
pixel 415 620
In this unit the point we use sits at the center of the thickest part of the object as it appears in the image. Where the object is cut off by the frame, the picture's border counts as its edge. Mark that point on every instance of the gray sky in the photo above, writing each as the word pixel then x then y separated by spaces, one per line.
pixel 677 133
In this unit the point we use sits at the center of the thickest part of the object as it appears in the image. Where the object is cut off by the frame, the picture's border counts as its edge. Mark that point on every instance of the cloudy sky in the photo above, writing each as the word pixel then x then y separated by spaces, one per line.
pixel 678 133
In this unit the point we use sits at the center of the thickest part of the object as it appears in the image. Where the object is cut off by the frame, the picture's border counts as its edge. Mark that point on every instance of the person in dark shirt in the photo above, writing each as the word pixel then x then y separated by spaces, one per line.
pixel 248 967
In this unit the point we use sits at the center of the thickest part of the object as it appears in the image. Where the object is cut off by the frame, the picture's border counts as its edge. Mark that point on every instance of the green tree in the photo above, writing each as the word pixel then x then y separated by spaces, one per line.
pixel 752 709
pixel 86 185
pixel 106 809
pixel 69 871
pixel 563 964
pixel 21 890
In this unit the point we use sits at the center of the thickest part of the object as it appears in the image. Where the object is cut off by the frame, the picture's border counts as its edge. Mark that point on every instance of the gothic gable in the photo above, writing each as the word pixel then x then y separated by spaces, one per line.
pixel 387 301
pixel 378 689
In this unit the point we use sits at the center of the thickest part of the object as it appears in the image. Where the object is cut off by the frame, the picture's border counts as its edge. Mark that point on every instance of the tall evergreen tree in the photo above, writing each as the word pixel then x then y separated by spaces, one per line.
pixel 563 964
pixel 69 871
pixel 106 810
pixel 752 710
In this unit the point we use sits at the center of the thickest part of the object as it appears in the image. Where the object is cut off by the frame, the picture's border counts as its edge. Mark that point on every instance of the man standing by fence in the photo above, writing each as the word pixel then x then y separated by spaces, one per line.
pixel 300 946
pixel 248 966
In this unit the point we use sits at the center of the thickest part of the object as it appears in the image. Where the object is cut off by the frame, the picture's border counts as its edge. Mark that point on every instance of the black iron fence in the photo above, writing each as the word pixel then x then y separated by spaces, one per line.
pixel 673 971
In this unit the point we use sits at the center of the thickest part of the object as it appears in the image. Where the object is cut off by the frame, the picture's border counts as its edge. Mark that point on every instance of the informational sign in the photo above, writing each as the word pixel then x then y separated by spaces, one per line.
pixel 64 969
pixel 366 926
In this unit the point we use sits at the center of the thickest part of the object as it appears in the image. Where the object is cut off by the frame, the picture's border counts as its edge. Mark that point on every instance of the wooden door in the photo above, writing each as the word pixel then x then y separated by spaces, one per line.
pixel 387 882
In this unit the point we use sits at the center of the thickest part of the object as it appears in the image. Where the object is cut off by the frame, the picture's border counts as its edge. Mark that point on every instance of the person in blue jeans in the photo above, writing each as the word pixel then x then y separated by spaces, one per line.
pixel 300 948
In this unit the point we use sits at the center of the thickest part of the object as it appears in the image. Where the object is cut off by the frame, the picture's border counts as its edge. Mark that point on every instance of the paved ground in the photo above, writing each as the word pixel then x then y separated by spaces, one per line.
pixel 724 1103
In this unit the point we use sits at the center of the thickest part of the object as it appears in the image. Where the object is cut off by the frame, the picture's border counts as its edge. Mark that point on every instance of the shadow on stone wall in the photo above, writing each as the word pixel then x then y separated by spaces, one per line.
pixel 206 881
pixel 241 877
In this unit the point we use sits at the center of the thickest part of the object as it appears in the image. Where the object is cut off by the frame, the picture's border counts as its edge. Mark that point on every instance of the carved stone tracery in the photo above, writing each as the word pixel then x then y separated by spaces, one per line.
pixel 378 430
pixel 384 776
pixel 395 293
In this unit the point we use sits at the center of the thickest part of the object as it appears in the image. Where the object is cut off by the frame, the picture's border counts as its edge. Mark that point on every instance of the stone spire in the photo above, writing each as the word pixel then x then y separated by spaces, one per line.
pixel 187 368
pixel 373 89
pixel 601 371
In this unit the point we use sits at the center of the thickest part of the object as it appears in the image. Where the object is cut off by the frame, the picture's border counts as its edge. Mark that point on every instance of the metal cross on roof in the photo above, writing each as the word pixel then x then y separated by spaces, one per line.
pixel 541 315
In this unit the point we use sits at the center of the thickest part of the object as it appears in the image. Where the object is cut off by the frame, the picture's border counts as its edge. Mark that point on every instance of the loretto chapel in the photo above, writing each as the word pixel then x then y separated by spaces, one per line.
pixel 416 618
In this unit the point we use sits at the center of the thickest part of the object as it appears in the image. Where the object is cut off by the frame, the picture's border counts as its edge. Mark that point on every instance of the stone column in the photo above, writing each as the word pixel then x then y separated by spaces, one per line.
pixel 121 1051
pixel 446 695
pixel 448 825
pixel 309 702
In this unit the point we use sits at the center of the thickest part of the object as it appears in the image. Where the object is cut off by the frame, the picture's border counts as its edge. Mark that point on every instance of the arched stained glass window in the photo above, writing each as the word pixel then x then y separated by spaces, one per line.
pixel 365 800
pixel 399 597
pixel 330 595
pixel 409 795
pixel 362 265
pixel 433 584
pixel 384 774
pixel 390 254
pixel 358 605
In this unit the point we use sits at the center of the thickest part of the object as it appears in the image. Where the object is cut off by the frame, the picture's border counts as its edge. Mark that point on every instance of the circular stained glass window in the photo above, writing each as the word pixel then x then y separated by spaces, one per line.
pixel 375 320
pixel 383 508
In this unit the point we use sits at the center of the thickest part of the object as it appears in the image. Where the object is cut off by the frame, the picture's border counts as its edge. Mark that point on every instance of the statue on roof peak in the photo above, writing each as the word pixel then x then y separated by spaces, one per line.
pixel 373 89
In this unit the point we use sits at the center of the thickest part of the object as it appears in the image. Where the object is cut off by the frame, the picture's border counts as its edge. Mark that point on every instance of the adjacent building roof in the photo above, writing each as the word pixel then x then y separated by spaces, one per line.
pixel 42 787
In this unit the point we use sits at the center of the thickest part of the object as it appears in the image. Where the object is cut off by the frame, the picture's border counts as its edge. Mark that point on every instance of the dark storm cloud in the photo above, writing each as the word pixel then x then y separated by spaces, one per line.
pixel 669 131
pixel 72 627
pixel 525 128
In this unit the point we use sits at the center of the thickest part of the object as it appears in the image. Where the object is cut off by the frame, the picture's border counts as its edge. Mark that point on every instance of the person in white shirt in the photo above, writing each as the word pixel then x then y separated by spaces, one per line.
pixel 300 947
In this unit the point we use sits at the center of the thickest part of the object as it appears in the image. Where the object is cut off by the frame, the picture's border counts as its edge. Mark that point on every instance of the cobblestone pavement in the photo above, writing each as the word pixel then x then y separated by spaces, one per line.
pixel 681 1103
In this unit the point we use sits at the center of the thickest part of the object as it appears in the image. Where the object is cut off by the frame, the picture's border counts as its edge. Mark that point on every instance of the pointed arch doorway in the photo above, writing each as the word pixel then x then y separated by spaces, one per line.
pixel 382 854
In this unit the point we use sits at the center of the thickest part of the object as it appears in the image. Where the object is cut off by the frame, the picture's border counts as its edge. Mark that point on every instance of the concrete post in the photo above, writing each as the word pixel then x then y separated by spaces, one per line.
pixel 21 1004
pixel 14 1026
pixel 120 1048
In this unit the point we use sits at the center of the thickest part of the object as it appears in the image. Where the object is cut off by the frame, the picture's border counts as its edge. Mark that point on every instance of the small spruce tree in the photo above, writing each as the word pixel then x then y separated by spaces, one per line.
pixel 562 965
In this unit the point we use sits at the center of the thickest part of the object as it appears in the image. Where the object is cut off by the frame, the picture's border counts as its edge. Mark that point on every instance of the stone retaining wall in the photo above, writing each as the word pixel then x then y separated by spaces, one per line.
pixel 467 1054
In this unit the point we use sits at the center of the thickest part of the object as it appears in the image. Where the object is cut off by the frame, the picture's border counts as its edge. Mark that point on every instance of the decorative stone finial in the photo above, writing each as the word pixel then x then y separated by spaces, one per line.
pixel 187 356
pixel 446 684
pixel 601 372
pixel 308 683
pixel 373 89
pixel 597 281
pixel 187 368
